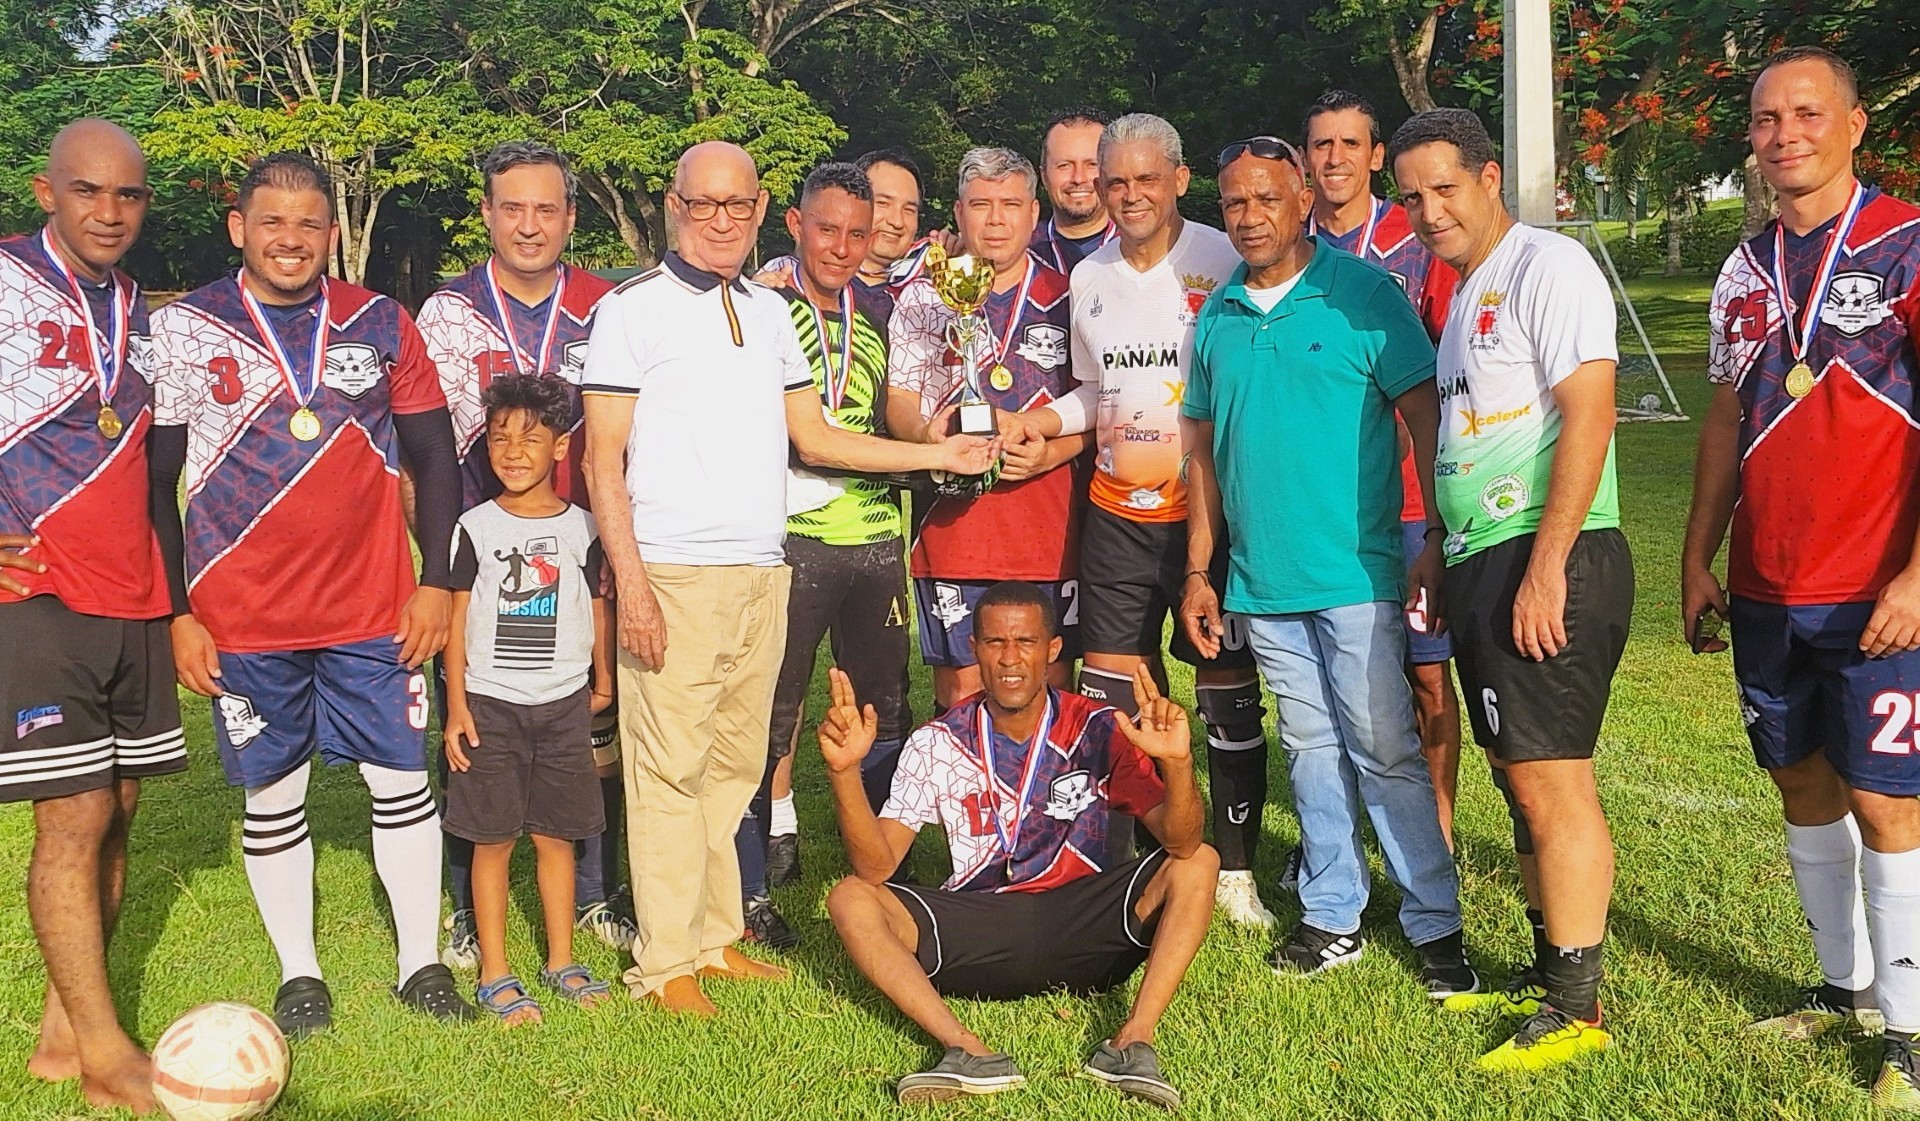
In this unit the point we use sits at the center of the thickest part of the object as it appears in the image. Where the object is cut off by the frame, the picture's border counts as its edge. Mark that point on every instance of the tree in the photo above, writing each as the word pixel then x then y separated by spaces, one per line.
pixel 342 80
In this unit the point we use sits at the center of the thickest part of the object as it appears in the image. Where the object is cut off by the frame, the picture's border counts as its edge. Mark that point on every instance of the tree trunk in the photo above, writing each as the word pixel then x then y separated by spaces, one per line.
pixel 1676 216
pixel 607 194
pixel 1410 60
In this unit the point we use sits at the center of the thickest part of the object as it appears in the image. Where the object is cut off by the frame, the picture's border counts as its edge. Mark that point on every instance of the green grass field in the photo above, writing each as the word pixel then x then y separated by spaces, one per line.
pixel 1706 934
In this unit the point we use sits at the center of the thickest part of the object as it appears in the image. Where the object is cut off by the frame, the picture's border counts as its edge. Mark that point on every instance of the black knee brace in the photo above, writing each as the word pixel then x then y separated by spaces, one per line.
pixel 1522 836
pixel 1236 767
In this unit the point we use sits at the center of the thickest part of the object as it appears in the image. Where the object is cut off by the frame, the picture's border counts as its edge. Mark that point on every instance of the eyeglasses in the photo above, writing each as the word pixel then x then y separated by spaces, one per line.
pixel 1266 148
pixel 703 210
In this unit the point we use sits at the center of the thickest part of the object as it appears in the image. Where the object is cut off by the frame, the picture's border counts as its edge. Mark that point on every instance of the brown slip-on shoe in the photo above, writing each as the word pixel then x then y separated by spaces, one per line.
pixel 740 967
pixel 682 995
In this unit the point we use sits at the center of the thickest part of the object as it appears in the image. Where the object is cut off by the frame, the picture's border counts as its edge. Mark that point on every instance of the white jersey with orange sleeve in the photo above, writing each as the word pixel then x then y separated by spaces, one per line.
pixel 1132 338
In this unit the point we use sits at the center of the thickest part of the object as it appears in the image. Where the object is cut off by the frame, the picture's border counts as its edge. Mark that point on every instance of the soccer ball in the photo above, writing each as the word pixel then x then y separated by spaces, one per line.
pixel 1650 403
pixel 219 1062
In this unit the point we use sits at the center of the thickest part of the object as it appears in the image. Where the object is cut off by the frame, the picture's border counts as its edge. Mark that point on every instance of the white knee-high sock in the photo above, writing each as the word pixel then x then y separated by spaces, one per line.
pixel 1893 919
pixel 785 822
pixel 406 853
pixel 278 853
pixel 1826 873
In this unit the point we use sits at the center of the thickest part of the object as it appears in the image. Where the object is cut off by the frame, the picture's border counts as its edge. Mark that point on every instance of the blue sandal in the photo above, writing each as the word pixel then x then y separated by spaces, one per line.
pixel 495 999
pixel 574 983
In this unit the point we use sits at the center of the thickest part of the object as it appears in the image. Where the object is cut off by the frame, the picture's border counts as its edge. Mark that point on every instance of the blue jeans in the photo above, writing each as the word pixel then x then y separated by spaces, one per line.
pixel 1345 714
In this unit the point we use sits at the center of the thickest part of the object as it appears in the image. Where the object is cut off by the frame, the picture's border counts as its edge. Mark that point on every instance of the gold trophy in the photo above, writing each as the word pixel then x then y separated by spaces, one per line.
pixel 963 284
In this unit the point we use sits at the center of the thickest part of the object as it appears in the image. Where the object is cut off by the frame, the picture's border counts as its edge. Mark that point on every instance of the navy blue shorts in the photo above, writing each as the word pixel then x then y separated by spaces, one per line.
pixel 1423 649
pixel 944 610
pixel 352 704
pixel 1806 687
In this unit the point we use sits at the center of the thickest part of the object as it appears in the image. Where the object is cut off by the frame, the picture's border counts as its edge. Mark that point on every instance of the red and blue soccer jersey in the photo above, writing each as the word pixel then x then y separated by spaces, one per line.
pixel 1828 504
pixel 61 477
pixel 1055 807
pixel 293 544
pixel 467 342
pixel 1427 282
pixel 1016 531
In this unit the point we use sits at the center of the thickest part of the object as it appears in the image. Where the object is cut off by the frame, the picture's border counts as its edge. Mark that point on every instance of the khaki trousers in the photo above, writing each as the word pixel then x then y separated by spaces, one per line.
pixel 695 746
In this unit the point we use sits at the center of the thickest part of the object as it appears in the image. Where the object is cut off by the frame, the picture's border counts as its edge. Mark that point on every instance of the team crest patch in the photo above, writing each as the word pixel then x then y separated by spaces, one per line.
pixel 1070 795
pixel 1855 303
pixel 1504 497
pixel 1044 345
pixel 30 720
pixel 949 606
pixel 1486 321
pixel 243 725
pixel 573 356
pixel 352 369
pixel 140 354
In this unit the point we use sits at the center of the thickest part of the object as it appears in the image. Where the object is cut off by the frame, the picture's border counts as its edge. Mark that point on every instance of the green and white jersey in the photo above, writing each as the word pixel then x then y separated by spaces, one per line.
pixel 843 509
pixel 1531 314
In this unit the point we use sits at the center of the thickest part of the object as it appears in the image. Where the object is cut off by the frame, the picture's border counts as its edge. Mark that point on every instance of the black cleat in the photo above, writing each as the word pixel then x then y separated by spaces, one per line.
pixel 765 926
pixel 783 860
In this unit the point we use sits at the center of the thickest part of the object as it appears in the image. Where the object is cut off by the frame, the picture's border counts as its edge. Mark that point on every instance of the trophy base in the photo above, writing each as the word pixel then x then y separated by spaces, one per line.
pixel 976 419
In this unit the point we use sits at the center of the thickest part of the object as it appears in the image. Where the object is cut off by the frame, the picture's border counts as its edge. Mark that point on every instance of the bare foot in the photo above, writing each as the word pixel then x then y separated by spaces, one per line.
pixel 127 1083
pixel 520 1017
pixel 57 1058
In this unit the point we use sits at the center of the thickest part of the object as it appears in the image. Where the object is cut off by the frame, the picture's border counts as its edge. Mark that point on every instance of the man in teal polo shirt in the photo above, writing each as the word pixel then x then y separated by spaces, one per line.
pixel 1299 362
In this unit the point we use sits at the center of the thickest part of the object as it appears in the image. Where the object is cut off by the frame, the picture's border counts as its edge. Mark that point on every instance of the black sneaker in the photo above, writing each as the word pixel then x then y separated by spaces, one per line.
pixel 1134 1071
pixel 1310 950
pixel 1290 872
pixel 1444 969
pixel 765 926
pixel 956 1074
pixel 783 860
pixel 303 1005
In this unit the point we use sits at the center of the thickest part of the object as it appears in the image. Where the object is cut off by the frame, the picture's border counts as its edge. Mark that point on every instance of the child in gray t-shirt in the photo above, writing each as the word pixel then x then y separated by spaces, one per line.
pixel 529 662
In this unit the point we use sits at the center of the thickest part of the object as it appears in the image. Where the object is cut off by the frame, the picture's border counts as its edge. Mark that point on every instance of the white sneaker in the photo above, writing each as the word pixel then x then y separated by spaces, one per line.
pixel 1240 899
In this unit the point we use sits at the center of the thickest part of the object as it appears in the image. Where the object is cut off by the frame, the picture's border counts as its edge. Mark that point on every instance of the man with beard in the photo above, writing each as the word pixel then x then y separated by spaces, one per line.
pixel 1070 169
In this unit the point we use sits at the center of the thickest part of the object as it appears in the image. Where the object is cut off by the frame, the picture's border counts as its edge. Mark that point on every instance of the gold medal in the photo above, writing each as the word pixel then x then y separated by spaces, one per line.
pixel 1799 380
pixel 305 425
pixel 109 423
pixel 1001 378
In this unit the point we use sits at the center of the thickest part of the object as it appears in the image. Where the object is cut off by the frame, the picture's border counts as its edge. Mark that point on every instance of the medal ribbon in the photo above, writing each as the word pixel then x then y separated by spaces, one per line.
pixel 1019 312
pixel 1800 327
pixel 301 394
pixel 1010 834
pixel 520 356
pixel 1374 208
pixel 1059 254
pixel 108 355
pixel 837 383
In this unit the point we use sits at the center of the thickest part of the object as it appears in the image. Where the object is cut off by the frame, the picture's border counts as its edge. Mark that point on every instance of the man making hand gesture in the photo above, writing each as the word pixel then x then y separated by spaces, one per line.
pixel 1023 779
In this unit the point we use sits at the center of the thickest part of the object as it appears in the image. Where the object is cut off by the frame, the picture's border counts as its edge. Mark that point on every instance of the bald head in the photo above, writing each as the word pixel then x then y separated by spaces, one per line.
pixel 717 206
pixel 95 194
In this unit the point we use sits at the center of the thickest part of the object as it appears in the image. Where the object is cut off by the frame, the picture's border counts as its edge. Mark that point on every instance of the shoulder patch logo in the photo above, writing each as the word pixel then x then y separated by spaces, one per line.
pixel 1855 303
pixel 352 369
pixel 573 356
pixel 1070 795
pixel 1044 345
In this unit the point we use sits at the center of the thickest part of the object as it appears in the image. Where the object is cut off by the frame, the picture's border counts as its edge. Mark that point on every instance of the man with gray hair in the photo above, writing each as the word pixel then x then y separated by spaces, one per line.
pixel 522 311
pixel 1024 527
pixel 1135 301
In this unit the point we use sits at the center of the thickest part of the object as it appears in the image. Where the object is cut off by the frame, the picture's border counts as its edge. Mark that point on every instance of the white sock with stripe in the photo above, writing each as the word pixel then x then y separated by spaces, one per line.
pixel 406 854
pixel 1893 919
pixel 1826 874
pixel 278 853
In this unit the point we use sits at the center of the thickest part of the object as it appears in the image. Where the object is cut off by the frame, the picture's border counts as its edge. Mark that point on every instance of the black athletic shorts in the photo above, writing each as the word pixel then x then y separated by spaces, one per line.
pixel 1522 709
pixel 84 700
pixel 858 594
pixel 1083 938
pixel 532 772
pixel 1131 576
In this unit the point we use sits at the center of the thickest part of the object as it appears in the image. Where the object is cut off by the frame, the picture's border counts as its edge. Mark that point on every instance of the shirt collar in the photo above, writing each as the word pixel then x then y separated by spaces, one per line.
pixel 1310 282
pixel 700 280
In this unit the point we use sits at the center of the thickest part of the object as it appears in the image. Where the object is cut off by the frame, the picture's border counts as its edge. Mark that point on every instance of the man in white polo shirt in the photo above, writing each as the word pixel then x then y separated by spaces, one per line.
pixel 684 391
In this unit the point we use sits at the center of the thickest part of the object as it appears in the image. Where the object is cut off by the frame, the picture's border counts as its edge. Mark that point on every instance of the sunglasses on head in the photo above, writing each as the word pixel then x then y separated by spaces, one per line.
pixel 1264 147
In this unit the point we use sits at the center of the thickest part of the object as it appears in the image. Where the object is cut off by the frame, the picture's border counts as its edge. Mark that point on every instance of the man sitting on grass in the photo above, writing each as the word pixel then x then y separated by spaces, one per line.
pixel 1029 907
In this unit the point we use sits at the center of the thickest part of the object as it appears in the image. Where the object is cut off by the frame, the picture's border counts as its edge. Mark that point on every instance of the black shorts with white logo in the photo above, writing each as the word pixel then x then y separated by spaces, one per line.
pixel 1524 710
pixel 1082 938
pixel 84 701
pixel 1131 576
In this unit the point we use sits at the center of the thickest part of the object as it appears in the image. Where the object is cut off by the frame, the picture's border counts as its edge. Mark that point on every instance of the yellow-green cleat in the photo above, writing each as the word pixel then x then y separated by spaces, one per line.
pixel 1521 997
pixel 1897 1086
pixel 1548 1039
